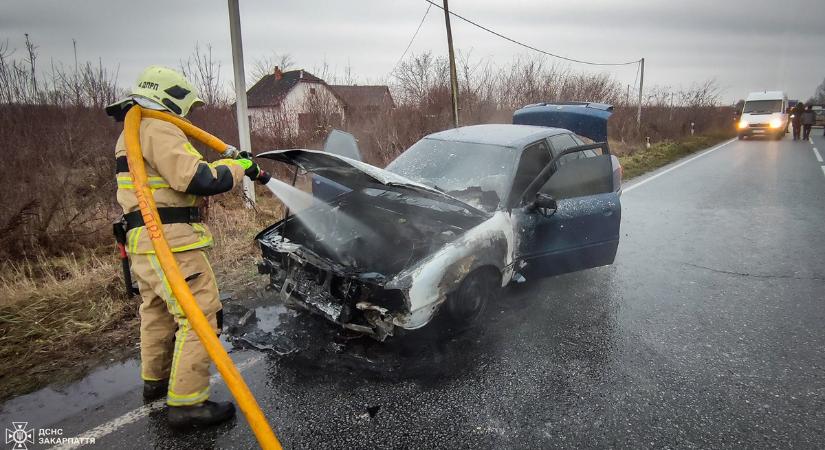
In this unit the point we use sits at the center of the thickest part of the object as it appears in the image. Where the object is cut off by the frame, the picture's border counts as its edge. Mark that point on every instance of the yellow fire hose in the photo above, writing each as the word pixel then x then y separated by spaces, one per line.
pixel 148 209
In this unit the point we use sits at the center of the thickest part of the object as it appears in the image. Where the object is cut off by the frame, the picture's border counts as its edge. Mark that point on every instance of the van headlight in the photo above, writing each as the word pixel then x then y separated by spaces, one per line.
pixel 776 123
pixel 743 124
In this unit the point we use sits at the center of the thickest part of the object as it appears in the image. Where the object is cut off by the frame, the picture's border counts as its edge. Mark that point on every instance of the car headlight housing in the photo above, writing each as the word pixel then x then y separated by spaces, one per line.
pixel 776 123
pixel 743 124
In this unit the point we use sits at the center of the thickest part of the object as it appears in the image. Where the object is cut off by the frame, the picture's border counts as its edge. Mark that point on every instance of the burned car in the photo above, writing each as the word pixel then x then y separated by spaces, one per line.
pixel 447 224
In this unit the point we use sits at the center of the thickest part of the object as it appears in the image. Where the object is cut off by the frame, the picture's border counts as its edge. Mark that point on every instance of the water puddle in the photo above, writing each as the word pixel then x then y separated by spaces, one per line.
pixel 40 408
pixel 269 317
pixel 310 345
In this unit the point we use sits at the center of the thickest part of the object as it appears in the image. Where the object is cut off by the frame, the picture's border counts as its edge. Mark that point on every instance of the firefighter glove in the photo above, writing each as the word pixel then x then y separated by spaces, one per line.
pixel 250 168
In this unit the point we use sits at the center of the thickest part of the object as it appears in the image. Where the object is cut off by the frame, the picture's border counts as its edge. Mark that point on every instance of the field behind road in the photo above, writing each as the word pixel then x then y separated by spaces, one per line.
pixel 706 332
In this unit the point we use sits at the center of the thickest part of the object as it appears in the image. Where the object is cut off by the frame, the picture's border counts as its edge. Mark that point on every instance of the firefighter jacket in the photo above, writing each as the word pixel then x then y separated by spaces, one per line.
pixel 178 177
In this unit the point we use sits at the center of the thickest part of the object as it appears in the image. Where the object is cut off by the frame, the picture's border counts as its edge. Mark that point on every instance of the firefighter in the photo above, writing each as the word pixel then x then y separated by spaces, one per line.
pixel 174 363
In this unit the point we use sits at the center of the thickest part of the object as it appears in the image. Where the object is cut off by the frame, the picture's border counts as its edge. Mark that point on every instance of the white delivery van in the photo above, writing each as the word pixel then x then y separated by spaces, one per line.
pixel 764 114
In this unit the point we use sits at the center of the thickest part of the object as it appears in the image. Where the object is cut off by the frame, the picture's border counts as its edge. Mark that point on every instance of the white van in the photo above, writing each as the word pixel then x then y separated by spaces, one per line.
pixel 764 114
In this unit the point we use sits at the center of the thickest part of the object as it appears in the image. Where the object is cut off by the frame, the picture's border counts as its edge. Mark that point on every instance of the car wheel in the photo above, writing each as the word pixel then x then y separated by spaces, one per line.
pixel 741 137
pixel 467 304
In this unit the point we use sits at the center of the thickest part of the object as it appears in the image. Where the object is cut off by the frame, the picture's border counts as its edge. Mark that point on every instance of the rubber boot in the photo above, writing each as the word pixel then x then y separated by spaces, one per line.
pixel 155 390
pixel 200 415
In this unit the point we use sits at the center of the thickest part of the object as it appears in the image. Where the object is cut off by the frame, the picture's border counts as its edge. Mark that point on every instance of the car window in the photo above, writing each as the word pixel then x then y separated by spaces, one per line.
pixel 561 142
pixel 534 158
pixel 580 140
pixel 581 177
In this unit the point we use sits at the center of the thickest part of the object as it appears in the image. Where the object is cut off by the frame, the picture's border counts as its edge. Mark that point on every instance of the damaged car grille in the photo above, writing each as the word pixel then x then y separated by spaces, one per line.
pixel 337 259
pixel 342 298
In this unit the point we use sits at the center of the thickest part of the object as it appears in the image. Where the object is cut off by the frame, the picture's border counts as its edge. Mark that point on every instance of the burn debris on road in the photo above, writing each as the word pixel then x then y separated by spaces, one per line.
pixel 311 346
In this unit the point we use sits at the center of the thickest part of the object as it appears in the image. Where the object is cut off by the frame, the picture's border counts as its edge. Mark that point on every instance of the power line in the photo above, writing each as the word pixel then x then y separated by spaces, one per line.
pixel 411 40
pixel 530 46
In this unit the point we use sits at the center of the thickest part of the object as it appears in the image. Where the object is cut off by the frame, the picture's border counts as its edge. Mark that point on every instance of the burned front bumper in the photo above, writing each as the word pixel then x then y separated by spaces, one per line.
pixel 356 301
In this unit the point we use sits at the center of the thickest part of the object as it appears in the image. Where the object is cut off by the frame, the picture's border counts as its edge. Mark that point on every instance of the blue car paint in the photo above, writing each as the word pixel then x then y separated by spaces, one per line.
pixel 584 231
pixel 325 189
pixel 585 119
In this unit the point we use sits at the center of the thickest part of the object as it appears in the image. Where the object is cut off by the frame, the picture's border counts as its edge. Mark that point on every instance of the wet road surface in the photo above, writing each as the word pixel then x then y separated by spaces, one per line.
pixel 706 332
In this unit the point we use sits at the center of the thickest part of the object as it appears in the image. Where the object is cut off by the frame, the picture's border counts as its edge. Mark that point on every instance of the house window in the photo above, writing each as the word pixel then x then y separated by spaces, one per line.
pixel 312 91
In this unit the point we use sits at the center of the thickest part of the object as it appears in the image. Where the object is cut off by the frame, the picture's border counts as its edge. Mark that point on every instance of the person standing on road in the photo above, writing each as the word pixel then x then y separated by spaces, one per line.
pixel 808 120
pixel 174 363
pixel 789 112
pixel 797 119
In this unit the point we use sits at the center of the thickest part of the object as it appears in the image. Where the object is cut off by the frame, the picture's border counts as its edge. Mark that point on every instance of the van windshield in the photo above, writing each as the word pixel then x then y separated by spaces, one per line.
pixel 763 106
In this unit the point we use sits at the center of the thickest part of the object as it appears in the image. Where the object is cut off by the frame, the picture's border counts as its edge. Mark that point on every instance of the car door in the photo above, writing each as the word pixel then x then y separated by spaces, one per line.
pixel 583 231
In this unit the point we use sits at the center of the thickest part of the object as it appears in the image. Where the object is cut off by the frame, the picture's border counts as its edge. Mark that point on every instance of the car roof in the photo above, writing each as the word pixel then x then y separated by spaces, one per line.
pixel 504 135
pixel 766 95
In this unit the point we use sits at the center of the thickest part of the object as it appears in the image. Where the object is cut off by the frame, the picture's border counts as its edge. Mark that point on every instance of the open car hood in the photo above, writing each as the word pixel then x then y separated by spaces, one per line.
pixel 355 174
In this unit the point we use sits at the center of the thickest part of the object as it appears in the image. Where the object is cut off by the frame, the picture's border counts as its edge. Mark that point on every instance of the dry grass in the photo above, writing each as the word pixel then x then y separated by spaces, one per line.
pixel 639 161
pixel 61 316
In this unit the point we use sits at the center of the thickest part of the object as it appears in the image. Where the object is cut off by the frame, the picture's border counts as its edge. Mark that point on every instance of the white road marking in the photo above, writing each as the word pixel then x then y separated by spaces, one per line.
pixel 823 169
pixel 818 156
pixel 634 186
pixel 137 414
pixel 811 140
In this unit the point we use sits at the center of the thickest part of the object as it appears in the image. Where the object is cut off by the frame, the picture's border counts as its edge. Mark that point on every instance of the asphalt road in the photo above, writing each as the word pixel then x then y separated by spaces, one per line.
pixel 706 332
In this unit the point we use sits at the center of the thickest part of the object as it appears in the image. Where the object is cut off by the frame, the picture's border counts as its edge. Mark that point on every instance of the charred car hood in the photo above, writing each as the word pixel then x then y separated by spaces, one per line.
pixel 356 174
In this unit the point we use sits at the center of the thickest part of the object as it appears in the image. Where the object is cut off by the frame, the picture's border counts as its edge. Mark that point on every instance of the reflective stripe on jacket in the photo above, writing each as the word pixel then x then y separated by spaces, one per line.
pixel 178 177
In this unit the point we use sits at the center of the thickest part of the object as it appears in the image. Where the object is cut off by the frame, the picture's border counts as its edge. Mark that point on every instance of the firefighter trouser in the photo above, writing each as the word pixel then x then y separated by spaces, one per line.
pixel 169 348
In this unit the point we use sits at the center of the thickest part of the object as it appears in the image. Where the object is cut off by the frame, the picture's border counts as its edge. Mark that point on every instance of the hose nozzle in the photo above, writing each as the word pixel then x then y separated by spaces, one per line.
pixel 264 177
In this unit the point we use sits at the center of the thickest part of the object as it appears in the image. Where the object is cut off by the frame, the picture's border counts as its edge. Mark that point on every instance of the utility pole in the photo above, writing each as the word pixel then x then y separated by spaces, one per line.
pixel 641 87
pixel 453 74
pixel 240 93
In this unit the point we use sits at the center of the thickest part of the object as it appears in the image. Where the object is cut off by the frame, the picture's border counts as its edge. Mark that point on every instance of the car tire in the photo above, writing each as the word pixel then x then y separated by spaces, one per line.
pixel 741 136
pixel 467 304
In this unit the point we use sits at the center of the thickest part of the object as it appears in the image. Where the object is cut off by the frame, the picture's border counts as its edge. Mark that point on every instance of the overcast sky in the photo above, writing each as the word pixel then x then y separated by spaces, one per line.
pixel 745 45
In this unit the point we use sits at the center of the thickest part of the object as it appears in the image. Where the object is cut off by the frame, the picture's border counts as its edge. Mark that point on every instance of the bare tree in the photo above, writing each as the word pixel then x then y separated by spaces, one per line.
pixel 265 65
pixel 31 50
pixel 205 73
pixel 419 75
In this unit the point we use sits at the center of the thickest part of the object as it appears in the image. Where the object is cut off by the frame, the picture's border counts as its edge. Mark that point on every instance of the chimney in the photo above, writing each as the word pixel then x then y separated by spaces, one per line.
pixel 277 72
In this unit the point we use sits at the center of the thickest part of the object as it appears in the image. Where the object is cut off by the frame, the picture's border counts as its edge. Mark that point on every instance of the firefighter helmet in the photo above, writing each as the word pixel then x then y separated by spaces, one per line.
pixel 167 88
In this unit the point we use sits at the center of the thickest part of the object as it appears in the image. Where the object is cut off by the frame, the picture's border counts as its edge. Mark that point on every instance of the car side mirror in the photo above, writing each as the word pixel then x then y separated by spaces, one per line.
pixel 543 203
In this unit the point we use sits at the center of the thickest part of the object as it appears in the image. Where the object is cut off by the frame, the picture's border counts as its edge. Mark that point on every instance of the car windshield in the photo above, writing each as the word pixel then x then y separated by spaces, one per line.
pixel 478 174
pixel 762 106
